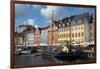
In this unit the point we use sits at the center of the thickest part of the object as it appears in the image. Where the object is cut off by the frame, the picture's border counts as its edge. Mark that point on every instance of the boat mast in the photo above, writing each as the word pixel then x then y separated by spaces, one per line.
pixel 52 29
pixel 26 33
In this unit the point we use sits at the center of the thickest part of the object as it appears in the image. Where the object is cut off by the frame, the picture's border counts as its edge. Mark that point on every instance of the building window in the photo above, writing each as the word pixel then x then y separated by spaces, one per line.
pixel 82 33
pixel 90 28
pixel 90 34
pixel 81 27
pixel 78 34
pixel 72 34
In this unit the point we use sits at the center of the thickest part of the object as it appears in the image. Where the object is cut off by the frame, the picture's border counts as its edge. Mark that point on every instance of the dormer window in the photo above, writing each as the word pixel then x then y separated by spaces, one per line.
pixel 59 25
pixel 69 19
pixel 66 21
pixel 63 25
pixel 67 24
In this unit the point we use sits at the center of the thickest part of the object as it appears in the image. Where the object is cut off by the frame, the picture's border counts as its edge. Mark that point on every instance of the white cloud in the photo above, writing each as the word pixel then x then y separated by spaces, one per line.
pixel 36 26
pixel 29 22
pixel 58 12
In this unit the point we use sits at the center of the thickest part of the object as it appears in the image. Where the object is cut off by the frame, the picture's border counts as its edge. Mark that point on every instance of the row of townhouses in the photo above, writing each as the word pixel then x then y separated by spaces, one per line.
pixel 72 29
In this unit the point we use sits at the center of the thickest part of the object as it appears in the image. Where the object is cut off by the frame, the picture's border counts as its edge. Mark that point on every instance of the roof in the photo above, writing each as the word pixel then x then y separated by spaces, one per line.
pixel 75 20
pixel 23 28
pixel 29 28
pixel 44 28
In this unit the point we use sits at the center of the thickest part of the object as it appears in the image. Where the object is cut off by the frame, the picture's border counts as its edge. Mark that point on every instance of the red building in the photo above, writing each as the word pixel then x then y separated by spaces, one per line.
pixel 53 34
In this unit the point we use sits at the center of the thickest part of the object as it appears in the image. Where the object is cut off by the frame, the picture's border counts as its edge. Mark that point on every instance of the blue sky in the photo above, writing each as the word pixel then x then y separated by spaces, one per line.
pixel 40 15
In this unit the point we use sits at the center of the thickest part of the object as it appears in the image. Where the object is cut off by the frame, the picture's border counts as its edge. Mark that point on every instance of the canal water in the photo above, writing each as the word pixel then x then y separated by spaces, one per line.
pixel 29 60
pixel 38 60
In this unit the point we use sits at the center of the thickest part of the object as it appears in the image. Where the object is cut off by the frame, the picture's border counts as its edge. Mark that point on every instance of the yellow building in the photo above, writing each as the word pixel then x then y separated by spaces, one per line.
pixel 74 29
pixel 76 34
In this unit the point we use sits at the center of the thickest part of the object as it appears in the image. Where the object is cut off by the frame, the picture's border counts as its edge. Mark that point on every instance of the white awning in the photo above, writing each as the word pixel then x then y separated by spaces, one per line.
pixel 43 44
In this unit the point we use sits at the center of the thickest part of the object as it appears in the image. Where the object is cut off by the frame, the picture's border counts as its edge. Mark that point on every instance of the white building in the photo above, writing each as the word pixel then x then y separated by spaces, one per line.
pixel 44 36
pixel 27 32
pixel 30 39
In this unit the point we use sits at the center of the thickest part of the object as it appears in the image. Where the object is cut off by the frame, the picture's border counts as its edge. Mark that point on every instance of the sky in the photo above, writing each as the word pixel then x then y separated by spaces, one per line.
pixel 41 15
